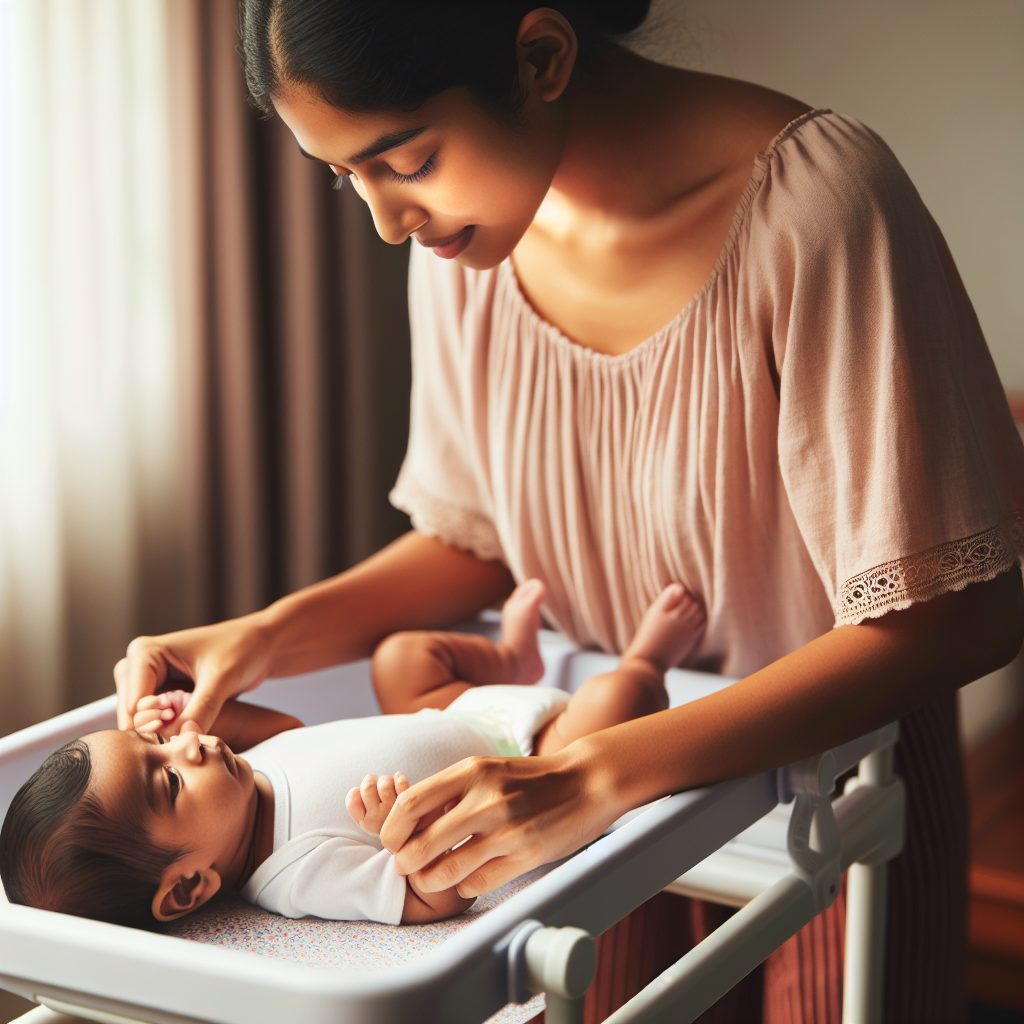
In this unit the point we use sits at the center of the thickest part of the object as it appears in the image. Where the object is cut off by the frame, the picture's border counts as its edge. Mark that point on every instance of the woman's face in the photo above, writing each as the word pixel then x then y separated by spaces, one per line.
pixel 450 174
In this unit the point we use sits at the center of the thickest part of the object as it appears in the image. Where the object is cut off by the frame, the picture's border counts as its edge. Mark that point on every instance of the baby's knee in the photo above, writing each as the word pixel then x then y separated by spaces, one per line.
pixel 405 665
pixel 397 654
pixel 622 696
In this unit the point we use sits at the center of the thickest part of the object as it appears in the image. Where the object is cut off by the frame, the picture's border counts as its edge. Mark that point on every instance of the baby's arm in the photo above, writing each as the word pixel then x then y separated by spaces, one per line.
pixel 369 805
pixel 240 725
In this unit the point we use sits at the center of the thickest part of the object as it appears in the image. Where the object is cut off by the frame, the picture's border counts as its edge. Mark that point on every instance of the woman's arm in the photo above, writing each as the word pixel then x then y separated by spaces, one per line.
pixel 529 811
pixel 415 583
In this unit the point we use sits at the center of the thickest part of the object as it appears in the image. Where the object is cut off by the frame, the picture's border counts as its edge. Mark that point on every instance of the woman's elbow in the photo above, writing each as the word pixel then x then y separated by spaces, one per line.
pixel 989 624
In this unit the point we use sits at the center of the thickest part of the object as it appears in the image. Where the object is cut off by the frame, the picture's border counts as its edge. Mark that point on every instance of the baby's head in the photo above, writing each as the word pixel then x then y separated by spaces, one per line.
pixel 121 827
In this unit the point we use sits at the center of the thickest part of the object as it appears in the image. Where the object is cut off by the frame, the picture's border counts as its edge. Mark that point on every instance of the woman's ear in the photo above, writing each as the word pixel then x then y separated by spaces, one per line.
pixel 181 892
pixel 547 50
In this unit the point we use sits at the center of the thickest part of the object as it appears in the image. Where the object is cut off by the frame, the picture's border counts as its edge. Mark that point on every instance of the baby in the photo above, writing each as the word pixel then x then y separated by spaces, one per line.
pixel 134 828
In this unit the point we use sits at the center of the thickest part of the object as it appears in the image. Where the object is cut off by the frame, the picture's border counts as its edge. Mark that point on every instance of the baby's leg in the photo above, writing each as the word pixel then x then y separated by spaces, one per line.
pixel 415 670
pixel 670 629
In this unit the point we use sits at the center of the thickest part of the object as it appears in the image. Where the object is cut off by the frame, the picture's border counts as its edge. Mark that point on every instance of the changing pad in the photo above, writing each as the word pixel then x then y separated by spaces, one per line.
pixel 230 922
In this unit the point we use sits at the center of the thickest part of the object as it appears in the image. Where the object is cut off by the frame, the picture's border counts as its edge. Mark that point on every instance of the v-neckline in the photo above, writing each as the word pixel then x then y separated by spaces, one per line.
pixel 754 182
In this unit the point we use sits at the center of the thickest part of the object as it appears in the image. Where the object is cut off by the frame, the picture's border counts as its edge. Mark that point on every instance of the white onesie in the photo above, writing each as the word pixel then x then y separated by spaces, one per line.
pixel 323 863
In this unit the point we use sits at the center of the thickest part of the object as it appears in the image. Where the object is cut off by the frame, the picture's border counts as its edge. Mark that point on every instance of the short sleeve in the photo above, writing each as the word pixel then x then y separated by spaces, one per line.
pixel 443 483
pixel 332 877
pixel 899 456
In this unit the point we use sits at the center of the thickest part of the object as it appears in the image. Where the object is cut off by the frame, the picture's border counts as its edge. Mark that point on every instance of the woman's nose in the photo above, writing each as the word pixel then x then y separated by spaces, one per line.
pixel 396 222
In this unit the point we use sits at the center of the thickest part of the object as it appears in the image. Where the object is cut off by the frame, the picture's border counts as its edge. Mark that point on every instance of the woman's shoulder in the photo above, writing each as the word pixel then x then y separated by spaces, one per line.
pixel 830 175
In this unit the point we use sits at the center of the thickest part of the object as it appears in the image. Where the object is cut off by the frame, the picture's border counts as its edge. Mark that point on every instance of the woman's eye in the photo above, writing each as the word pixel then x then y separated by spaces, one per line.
pixel 405 179
pixel 174 781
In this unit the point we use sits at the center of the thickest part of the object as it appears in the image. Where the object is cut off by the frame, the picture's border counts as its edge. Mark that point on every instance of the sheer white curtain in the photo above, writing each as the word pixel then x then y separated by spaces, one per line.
pixel 94 507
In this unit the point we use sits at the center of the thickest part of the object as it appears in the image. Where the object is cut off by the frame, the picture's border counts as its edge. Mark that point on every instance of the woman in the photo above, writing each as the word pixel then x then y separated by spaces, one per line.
pixel 673 328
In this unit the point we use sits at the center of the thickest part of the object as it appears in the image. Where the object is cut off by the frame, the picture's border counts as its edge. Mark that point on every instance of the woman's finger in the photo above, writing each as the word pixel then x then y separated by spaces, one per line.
pixel 432 794
pixel 205 702
pixel 494 872
pixel 476 861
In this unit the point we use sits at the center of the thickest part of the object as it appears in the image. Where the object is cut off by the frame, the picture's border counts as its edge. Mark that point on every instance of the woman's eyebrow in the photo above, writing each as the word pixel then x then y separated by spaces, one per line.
pixel 389 140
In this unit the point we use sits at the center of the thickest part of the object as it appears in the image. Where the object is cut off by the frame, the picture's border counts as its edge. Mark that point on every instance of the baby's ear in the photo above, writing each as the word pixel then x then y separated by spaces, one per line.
pixel 180 892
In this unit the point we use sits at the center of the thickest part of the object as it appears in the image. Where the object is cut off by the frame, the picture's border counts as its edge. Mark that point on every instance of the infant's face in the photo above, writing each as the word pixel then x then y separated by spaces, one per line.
pixel 199 794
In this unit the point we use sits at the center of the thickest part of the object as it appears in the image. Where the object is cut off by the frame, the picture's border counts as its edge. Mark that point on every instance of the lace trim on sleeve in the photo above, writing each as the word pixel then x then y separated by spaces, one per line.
pixel 455 526
pixel 951 566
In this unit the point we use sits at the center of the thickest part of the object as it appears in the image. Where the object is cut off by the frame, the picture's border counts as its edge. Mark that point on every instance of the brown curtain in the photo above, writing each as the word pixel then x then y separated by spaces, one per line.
pixel 296 340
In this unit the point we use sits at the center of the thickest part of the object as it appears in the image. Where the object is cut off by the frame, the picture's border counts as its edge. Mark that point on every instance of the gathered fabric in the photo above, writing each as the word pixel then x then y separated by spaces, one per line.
pixel 819 437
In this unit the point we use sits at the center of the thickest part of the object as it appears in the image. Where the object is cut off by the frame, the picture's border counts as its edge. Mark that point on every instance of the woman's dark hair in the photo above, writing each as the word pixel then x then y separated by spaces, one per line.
pixel 364 55
pixel 60 850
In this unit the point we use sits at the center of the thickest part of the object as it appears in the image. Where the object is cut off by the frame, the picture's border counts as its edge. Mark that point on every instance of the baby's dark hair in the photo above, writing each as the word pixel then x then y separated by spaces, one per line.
pixel 61 850
pixel 364 55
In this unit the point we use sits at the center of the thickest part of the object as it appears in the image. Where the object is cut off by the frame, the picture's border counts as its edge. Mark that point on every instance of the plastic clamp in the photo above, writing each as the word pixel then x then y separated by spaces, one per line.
pixel 814 841
pixel 560 962
pixel 518 990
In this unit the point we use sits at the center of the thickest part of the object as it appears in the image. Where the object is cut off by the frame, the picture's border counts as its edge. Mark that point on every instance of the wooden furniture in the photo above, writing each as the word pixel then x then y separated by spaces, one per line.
pixel 995 780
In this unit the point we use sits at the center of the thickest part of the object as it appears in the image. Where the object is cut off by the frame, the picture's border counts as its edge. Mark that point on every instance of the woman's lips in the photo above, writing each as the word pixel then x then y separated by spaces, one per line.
pixel 450 247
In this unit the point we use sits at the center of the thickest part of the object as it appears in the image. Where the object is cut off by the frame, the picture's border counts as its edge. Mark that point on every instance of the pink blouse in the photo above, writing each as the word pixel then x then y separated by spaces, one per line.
pixel 819 437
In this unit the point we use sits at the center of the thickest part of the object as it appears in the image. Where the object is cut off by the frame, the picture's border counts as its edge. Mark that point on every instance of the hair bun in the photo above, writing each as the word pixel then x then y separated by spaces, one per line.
pixel 618 16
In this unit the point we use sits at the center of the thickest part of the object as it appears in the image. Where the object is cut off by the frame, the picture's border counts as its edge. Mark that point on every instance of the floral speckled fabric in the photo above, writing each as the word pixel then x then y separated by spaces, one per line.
pixel 340 945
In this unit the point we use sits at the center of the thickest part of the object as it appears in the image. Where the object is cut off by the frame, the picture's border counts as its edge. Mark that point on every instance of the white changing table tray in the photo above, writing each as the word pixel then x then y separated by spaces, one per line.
pixel 110 973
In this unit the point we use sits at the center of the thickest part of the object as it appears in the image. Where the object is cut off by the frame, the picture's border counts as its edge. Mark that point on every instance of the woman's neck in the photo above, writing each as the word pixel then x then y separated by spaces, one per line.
pixel 622 114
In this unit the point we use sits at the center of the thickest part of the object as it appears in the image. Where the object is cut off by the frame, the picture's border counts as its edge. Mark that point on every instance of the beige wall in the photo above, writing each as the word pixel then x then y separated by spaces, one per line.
pixel 942 81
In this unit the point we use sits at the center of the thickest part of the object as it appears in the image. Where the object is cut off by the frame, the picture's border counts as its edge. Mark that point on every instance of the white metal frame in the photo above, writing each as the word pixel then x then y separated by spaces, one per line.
pixel 734 843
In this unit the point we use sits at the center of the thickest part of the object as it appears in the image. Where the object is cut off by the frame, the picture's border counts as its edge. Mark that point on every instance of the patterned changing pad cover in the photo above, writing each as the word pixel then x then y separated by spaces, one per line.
pixel 341 945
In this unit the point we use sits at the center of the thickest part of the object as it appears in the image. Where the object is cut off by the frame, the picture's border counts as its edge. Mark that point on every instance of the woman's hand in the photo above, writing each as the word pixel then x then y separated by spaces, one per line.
pixel 222 661
pixel 520 812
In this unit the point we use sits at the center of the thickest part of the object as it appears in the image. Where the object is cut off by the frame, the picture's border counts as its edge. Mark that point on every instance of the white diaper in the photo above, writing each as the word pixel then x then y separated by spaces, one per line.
pixel 509 716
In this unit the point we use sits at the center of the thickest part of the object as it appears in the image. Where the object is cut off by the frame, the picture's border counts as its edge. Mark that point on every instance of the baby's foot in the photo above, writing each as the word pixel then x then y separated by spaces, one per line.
pixel 520 621
pixel 670 629
pixel 371 802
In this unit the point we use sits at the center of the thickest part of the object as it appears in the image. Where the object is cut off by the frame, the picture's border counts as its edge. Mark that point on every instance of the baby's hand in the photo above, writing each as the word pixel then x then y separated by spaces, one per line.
pixel 154 713
pixel 371 803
